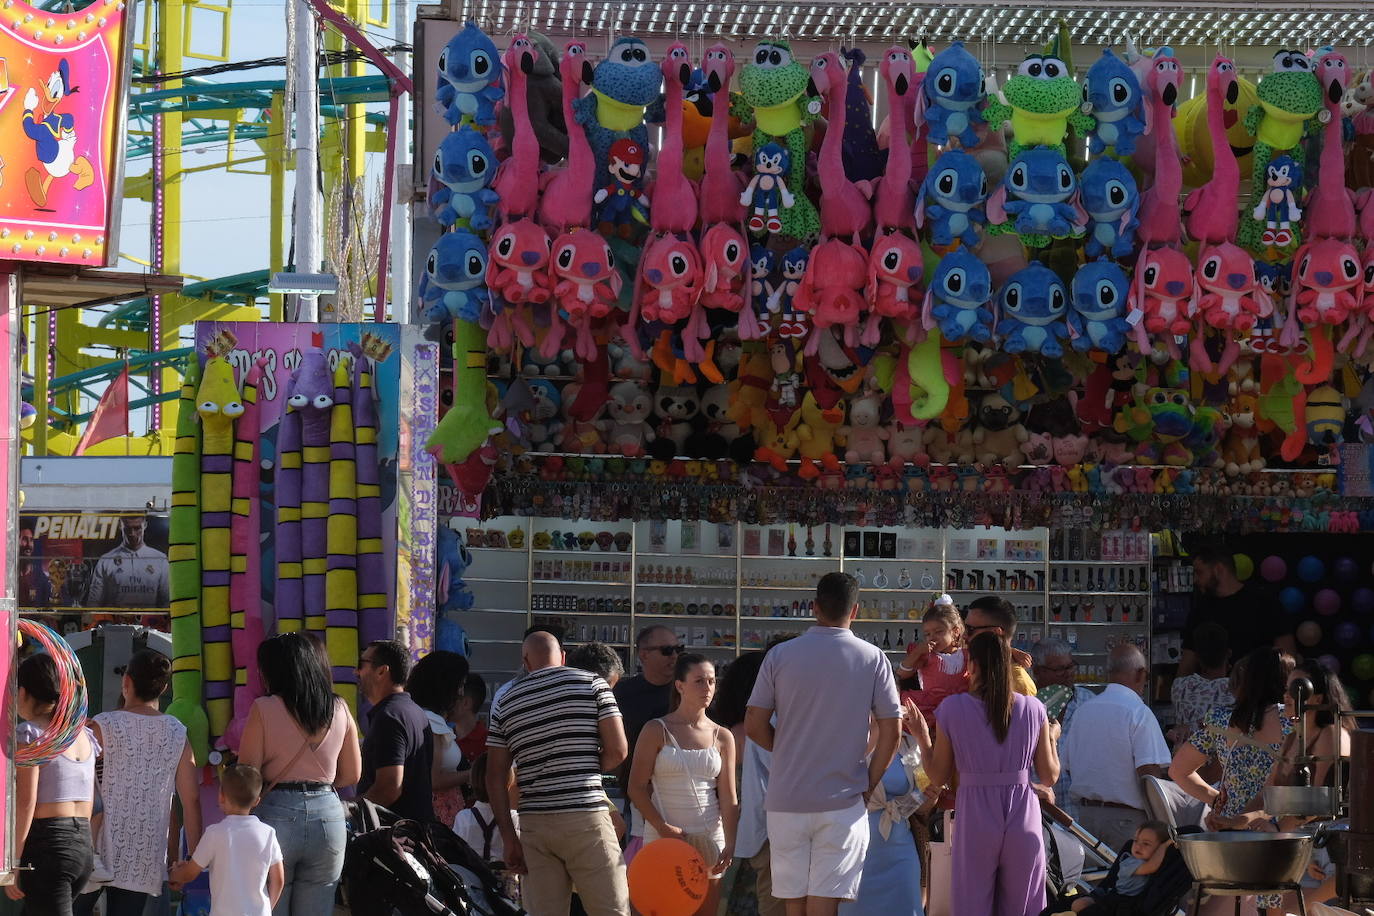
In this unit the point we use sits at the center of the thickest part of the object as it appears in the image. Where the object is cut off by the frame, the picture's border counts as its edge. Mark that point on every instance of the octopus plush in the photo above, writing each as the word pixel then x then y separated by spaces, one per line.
pixel 452 284
pixel 469 83
pixel 1033 303
pixel 1327 288
pixel 1330 209
pixel 1163 297
pixel 892 197
pixel 1111 200
pixel 1097 313
pixel 832 290
pixel 459 182
pixel 951 199
pixel 1211 210
pixel 1161 222
pixel 845 211
pixel 773 97
pixel 1114 98
pixel 721 185
pixel 957 298
pixel 1230 298
pixel 950 97
pixel 623 86
pixel 1042 100
pixel 674 194
pixel 894 272
pixel 566 202
pixel 725 268
pixel 1038 198
pixel 517 181
pixel 1289 97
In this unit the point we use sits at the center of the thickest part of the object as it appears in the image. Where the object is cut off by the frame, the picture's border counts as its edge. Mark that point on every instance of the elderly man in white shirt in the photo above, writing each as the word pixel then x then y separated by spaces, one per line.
pixel 1052 662
pixel 1115 740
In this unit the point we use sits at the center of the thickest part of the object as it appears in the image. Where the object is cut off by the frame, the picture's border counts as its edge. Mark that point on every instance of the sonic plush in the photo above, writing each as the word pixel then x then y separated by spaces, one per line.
pixel 463 170
pixel 950 94
pixel 1097 320
pixel 54 137
pixel 952 198
pixel 957 298
pixel 1112 200
pixel 469 77
pixel 1033 303
pixel 452 286
pixel 1115 101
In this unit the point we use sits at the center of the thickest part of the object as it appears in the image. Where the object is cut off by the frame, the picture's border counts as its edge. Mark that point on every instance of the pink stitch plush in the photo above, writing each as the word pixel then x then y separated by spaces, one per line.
pixel 721 185
pixel 1212 210
pixel 725 259
pixel 893 199
pixel 1160 221
pixel 845 211
pixel 670 280
pixel 566 203
pixel 1230 298
pixel 673 194
pixel 1327 285
pixel 518 266
pixel 1163 296
pixel 894 273
pixel 832 290
pixel 586 286
pixel 1330 210
pixel 517 180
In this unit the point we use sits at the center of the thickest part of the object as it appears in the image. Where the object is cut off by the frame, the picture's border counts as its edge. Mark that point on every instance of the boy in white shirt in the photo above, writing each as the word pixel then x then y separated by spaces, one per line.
pixel 246 874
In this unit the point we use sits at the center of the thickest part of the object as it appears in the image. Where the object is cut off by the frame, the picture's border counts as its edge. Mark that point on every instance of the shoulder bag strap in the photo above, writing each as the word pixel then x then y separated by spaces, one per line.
pixel 300 751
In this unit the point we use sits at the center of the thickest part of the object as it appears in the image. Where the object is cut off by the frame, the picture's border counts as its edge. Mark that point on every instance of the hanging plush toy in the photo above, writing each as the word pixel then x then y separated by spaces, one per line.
pixel 543 94
pixel 762 264
pixel 957 298
pixel 1163 296
pixel 1033 305
pixel 1117 104
pixel 863 160
pixel 1098 296
pixel 1038 199
pixel 845 211
pixel 623 85
pixel 1330 210
pixel 674 194
pixel 773 87
pixel 464 166
pixel 1289 98
pixel 1277 211
pixel 782 301
pixel 892 197
pixel 622 206
pixel 721 185
pixel 1161 223
pixel 586 286
pixel 894 270
pixel 1111 201
pixel 455 270
pixel 832 290
pixel 517 273
pixel 374 614
pixel 671 275
pixel 517 181
pixel 1230 298
pixel 468 424
pixel 950 98
pixel 566 202
pixel 725 260
pixel 767 193
pixel 952 199
pixel 1327 286
pixel 1042 100
pixel 469 83
pixel 1211 209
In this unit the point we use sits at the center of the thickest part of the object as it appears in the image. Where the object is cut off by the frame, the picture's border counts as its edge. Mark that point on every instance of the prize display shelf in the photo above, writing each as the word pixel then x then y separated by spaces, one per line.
pixel 725 588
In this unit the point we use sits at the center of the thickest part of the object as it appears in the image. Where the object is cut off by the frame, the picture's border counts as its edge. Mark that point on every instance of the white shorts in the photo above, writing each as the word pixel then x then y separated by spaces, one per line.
pixel 818 854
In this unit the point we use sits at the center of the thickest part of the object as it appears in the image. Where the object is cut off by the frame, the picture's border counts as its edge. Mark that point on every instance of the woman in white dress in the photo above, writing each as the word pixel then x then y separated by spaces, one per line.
pixel 436 685
pixel 146 759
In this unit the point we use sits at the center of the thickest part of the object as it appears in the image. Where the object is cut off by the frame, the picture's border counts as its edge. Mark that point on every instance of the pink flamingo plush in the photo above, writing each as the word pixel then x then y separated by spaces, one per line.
pixel 721 185
pixel 674 196
pixel 566 202
pixel 517 181
pixel 1212 210
pixel 845 211
pixel 1160 221
pixel 1330 211
pixel 893 199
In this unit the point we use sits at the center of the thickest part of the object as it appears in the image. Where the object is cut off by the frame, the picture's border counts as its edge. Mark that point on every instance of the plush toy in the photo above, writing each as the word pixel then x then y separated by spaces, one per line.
pixel 547 427
pixel 452 284
pixel 782 300
pixel 1161 223
pixel 623 85
pixel 957 298
pixel 628 412
pixel 894 270
pixel 905 445
pixel 1117 104
pixel 1211 210
pixel 543 102
pixel 832 290
pixel 1327 287
pixel 951 96
pixel 785 391
pixel 671 280
pixel 584 434
pixel 1204 441
pixel 1330 210
pixel 184 564
pixel 1289 97
pixel 677 409
pixel 892 196
pixel 1163 296
pixel 767 195
pixel 1042 100
pixel 566 201
pixel 1038 199
pixel 1277 211
pixel 245 578
pixel 586 286
pixel 468 424
pixel 674 194
pixel 949 447
pixel 719 432
pixel 374 612
pixel 1320 416
pixel 518 272
pixel 453 593
pixel 1229 299
pixel 952 198
pixel 777 444
pixel 464 166
pixel 721 185
pixel 725 264
pixel 773 86
pixel 469 83
pixel 1098 295
pixel 845 211
pixel 517 180
pixel 341 540
pixel 863 159
pixel 999 434
pixel 864 433
pixel 1159 420
pixel 1071 450
pixel 1111 201
pixel 816 433
pixel 763 262
pixel 1033 304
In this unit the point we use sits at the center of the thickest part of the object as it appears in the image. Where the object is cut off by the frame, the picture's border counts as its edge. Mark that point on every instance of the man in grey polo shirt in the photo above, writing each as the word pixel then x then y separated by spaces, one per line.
pixel 822 689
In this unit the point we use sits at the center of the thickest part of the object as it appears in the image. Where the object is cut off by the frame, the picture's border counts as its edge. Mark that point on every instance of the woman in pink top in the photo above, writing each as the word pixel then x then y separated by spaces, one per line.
pixel 304 741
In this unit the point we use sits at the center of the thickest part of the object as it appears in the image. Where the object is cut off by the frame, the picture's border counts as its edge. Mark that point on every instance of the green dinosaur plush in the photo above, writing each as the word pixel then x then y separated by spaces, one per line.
pixel 1042 100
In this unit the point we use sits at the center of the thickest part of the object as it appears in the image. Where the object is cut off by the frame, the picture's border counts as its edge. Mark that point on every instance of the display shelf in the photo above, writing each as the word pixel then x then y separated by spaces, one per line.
pixel 520 551
pixel 1091 594
pixel 576 582
pixel 691 556
pixel 488 579
pixel 1097 623
pixel 496 610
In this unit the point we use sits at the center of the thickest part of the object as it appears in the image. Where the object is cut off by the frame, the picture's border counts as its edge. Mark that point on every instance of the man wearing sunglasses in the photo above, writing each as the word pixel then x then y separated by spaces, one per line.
pixel 644 697
pixel 991 614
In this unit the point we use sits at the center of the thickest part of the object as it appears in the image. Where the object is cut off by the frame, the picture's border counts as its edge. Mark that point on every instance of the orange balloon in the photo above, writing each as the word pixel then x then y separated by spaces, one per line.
pixel 667 878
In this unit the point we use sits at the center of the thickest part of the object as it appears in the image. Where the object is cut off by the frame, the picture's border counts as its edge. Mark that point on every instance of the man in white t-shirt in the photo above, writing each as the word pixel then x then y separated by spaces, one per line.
pixel 246 874
pixel 131 575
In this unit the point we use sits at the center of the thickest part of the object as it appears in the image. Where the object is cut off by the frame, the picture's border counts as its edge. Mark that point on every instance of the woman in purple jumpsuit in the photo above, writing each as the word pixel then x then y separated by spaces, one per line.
pixel 993 741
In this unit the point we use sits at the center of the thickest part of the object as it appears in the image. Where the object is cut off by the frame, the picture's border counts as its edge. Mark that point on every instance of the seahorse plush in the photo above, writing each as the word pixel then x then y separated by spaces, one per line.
pixel 464 167
pixel 468 424
pixel 1116 102
pixel 674 195
pixel 183 552
pixel 219 405
pixel 951 94
pixel 566 201
pixel 845 211
pixel 469 82
pixel 952 198
pixel 1111 200
pixel 1160 219
pixel 892 197
pixel 1212 210
pixel 721 185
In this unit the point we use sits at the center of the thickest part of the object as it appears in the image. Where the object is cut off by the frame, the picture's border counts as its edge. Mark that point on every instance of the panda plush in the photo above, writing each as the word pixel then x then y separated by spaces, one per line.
pixel 677 412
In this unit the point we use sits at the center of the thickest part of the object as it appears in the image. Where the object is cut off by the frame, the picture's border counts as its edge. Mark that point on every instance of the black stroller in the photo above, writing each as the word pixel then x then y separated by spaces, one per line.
pixel 1163 894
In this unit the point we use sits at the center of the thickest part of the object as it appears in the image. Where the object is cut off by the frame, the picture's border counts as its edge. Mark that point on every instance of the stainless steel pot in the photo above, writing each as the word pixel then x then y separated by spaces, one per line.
pixel 1300 801
pixel 1254 860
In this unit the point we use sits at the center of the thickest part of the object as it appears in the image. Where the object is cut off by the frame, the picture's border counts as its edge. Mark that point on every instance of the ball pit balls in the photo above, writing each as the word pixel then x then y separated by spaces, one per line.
pixel 1327 601
pixel 1347 634
pixel 1362 600
pixel 1331 663
pixel 1273 569
pixel 1363 666
pixel 1347 570
pixel 1292 599
pixel 1310 569
pixel 1245 567
pixel 1309 633
pixel 667 878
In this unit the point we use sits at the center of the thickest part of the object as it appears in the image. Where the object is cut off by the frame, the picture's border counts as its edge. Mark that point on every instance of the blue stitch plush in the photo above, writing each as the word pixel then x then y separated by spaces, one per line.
pixel 1112 200
pixel 1118 105
pixel 953 91
pixel 1033 304
pixel 464 166
pixel 1039 198
pixel 469 77
pixel 629 81
pixel 452 285
pixel 1097 320
pixel 957 298
pixel 952 197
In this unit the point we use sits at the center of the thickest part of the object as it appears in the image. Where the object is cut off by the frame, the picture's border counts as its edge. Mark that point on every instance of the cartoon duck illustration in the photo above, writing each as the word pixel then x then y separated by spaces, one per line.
pixel 54 137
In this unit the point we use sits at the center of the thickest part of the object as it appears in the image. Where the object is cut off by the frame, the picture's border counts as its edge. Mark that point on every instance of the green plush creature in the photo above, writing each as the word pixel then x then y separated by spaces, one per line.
pixel 773 97
pixel 468 424
pixel 1042 100
pixel 1289 99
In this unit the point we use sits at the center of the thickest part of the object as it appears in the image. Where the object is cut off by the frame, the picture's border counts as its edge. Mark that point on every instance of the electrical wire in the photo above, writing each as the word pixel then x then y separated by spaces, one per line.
pixel 330 58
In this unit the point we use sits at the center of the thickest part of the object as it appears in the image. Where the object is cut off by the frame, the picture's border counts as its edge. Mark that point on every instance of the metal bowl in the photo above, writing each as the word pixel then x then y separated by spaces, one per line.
pixel 1299 801
pixel 1245 858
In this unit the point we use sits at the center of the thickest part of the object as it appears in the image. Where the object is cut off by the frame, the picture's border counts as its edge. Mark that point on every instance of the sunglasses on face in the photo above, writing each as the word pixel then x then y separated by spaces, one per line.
pixel 986 626
pixel 667 651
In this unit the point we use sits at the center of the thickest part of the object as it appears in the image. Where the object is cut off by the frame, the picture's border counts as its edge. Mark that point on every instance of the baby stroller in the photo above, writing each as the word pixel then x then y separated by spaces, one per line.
pixel 1164 890
pixel 401 867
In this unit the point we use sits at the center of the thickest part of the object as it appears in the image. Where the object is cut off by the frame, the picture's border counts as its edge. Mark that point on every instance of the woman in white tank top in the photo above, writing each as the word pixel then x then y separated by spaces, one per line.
pixel 683 776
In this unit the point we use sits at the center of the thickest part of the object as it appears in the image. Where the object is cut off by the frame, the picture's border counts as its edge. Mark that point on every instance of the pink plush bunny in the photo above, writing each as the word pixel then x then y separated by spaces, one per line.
pixel 566 202
pixel 1230 298
pixel 674 195
pixel 1163 296
pixel 845 212
pixel 894 273
pixel 1330 210
pixel 893 199
pixel 832 290
pixel 586 285
pixel 1160 221
pixel 725 256
pixel 670 280
pixel 517 180
pixel 1212 210
pixel 721 185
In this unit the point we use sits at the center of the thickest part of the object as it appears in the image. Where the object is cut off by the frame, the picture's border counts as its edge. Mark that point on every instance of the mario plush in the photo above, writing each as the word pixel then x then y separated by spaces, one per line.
pixel 54 137
pixel 622 203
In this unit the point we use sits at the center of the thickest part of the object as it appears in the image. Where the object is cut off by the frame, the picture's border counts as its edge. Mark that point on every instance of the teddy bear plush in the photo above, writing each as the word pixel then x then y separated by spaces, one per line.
pixel 945 447
pixel 865 436
pixel 677 409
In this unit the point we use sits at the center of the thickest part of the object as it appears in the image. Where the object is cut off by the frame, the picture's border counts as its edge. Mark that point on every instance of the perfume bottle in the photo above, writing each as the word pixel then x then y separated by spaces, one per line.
pixel 791 541
pixel 810 541
pixel 880 579
pixel 826 545
pixel 901 638
pixel 887 639
pixel 904 579
pixel 859 576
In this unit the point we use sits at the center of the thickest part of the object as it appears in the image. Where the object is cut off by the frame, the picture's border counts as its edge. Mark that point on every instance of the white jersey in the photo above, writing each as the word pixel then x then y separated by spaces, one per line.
pixel 130 578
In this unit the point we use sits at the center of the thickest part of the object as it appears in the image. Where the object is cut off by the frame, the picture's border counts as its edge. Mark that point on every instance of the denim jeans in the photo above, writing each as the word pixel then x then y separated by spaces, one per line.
pixel 311 834
pixel 59 857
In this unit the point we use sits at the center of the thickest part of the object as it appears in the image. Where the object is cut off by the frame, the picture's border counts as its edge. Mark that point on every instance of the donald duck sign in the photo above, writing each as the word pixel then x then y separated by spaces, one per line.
pixel 54 138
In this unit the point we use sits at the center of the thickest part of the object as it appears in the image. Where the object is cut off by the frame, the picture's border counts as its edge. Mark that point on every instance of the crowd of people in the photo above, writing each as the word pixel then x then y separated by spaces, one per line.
pixel 809 777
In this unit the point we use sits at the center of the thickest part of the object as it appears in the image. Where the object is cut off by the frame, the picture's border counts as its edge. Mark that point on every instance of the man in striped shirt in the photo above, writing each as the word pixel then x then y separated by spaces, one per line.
pixel 561 729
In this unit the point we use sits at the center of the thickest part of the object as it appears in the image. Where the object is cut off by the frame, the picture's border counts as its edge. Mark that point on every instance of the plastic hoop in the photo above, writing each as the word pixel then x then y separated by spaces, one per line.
pixel 70 715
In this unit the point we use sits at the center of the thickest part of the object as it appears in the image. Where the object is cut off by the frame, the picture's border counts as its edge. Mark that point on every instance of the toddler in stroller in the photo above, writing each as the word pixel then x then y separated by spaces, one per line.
pixel 1148 878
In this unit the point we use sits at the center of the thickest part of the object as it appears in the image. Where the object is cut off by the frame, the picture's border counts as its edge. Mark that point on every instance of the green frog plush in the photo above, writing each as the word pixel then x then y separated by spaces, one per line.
pixel 1289 99
pixel 1042 100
